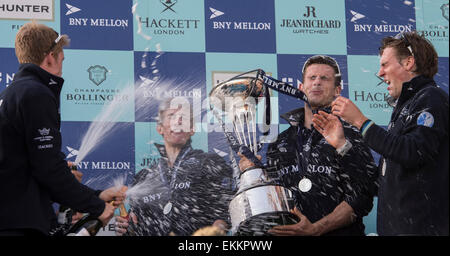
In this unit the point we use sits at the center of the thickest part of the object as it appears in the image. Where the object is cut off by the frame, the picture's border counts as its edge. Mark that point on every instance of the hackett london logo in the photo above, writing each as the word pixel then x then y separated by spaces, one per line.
pixel 310 23
pixel 376 100
pixel 97 74
pixel 168 5
pixel 27 10
pixel 166 26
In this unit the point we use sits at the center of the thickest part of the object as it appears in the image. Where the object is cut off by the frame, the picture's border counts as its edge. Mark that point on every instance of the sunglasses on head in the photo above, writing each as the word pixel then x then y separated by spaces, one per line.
pixel 54 43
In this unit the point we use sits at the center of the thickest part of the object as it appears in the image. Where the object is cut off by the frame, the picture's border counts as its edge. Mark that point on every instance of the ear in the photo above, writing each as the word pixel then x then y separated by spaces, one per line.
pixel 300 86
pixel 409 63
pixel 159 129
pixel 337 90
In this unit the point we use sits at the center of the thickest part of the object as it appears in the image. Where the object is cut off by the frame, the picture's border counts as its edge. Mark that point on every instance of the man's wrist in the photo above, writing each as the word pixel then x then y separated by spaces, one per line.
pixel 342 150
pixel 359 123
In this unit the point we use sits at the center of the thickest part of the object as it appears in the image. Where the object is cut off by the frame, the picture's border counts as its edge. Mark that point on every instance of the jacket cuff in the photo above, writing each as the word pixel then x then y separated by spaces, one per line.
pixel 361 206
pixel 98 192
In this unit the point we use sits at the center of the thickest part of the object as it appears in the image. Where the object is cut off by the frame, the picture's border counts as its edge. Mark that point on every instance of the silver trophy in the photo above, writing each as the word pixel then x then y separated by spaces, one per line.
pixel 260 202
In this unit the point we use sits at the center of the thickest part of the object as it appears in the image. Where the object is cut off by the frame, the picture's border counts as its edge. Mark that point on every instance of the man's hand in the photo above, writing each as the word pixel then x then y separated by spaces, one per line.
pixel 78 175
pixel 114 194
pixel 76 217
pixel 303 228
pixel 121 225
pixel 330 127
pixel 221 224
pixel 107 214
pixel 348 111
pixel 245 163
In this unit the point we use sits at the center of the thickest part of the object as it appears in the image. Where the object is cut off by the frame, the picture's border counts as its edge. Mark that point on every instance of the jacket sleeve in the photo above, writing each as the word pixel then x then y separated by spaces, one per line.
pixel 417 144
pixel 48 167
pixel 219 189
pixel 360 174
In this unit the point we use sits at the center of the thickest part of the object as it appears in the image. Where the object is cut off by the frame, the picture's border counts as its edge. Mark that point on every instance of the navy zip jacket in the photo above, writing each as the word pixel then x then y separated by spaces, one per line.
pixel 413 192
pixel 192 194
pixel 335 178
pixel 33 172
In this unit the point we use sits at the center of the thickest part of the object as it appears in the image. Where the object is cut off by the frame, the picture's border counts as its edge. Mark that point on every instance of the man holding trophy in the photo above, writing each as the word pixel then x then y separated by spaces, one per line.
pixel 332 182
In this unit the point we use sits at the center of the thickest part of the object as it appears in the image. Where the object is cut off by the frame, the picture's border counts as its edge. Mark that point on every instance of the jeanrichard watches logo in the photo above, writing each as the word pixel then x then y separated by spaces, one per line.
pixel 310 21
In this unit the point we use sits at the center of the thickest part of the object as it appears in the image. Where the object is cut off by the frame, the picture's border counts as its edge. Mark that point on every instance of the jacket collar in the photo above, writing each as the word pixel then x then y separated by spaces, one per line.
pixel 54 83
pixel 409 89
pixel 296 117
pixel 162 149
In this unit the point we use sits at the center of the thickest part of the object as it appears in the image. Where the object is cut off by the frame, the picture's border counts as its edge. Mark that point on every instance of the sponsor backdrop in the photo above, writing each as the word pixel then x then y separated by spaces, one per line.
pixel 126 56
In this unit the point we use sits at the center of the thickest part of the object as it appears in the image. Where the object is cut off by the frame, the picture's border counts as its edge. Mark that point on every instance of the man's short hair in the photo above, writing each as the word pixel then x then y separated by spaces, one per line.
pixel 327 60
pixel 34 41
pixel 412 44
pixel 170 103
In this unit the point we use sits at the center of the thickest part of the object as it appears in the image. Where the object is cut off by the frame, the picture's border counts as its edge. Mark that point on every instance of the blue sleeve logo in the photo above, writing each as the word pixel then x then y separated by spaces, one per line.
pixel 425 119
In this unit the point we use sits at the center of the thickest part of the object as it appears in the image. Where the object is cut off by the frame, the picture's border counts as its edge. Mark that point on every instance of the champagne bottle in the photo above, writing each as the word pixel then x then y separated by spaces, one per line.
pixel 123 212
pixel 86 226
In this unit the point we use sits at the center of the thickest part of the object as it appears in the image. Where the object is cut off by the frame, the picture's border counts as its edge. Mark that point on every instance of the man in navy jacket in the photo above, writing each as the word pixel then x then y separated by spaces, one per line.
pixel 33 172
pixel 413 192
pixel 333 182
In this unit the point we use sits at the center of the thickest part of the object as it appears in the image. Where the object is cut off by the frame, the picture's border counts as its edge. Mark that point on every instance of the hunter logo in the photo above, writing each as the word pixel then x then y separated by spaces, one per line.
pixel 169 4
pixel 97 74
pixel 27 10
pixel 444 9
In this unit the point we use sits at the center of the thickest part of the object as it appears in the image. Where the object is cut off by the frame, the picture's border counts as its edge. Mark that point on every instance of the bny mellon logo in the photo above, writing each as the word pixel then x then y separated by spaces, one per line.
pixel 215 13
pixel 356 16
pixel 71 9
pixel 72 152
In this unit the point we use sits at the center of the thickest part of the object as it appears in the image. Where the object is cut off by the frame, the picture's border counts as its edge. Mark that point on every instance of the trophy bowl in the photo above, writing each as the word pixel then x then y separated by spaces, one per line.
pixel 260 202
pixel 239 88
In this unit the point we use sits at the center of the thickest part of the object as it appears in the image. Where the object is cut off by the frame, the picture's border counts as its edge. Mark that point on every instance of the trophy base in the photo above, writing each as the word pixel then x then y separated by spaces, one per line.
pixel 259 225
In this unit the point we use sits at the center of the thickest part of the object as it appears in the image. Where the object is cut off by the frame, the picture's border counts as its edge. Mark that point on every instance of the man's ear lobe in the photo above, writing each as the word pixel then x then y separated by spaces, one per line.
pixel 159 129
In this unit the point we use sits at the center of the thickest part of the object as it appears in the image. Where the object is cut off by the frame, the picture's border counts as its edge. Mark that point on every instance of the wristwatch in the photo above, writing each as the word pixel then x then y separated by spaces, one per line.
pixel 344 148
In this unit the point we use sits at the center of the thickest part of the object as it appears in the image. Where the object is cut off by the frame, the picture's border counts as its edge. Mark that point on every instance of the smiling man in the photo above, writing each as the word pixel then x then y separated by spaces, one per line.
pixel 187 189
pixel 413 193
